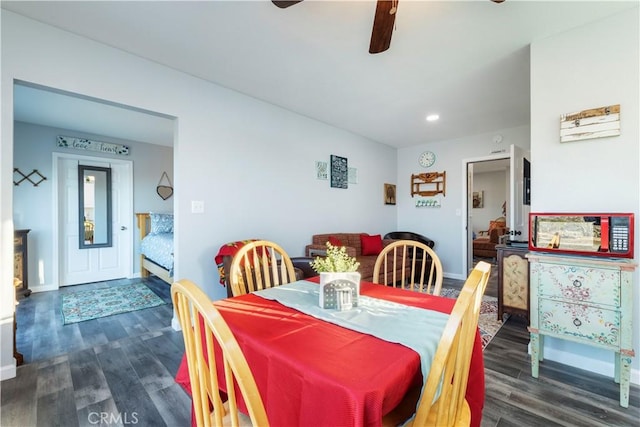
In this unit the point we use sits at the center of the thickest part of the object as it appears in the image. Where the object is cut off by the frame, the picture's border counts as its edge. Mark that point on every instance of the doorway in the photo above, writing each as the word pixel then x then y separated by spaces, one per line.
pixel 78 264
pixel 516 212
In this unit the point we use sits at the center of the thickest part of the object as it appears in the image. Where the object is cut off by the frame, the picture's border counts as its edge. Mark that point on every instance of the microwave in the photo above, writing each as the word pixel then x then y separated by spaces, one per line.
pixel 594 234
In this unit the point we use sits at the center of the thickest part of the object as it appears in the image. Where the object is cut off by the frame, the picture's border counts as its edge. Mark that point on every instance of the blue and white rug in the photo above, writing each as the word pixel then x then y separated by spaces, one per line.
pixel 92 304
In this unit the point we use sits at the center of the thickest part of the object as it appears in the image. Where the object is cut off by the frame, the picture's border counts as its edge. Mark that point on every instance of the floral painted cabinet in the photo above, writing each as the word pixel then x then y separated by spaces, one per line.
pixel 586 300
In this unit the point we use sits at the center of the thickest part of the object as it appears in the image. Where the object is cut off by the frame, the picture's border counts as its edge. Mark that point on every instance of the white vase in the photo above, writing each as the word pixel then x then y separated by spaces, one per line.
pixel 339 291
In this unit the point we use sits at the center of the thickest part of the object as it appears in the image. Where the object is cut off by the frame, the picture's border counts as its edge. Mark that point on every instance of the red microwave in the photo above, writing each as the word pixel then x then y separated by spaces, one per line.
pixel 595 234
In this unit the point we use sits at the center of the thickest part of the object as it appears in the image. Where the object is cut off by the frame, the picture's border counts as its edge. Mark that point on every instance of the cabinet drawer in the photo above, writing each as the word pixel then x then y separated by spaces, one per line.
pixel 594 324
pixel 580 284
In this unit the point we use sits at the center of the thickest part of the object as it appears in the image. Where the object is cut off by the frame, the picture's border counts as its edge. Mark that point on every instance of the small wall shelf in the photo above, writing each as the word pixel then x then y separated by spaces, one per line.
pixel 428 184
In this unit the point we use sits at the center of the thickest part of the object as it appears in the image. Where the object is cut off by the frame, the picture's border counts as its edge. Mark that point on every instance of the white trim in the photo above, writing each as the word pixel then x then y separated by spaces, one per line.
pixel 6 332
pixel 464 215
pixel 56 158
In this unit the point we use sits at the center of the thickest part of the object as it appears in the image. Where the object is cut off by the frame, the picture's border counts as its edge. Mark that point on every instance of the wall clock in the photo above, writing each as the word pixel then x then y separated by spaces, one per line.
pixel 426 159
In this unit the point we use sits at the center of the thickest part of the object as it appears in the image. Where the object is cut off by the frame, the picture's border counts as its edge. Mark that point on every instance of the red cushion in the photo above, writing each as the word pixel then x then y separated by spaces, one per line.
pixel 335 241
pixel 371 245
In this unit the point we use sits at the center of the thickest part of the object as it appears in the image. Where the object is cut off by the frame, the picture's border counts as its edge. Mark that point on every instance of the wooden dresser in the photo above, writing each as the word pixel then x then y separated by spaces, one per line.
pixel 513 280
pixel 20 265
pixel 586 300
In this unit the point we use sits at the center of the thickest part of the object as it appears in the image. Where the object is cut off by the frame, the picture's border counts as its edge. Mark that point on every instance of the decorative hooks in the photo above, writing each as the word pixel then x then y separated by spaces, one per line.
pixel 27 177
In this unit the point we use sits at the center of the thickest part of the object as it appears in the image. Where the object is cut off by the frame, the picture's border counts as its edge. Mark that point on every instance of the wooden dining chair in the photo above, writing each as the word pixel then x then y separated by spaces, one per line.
pixel 205 332
pixel 411 265
pixel 259 265
pixel 443 397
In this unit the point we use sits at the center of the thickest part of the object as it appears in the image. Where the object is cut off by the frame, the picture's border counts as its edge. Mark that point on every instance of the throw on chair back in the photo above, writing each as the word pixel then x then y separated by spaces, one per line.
pixel 443 397
pixel 206 335
pixel 260 265
pixel 411 265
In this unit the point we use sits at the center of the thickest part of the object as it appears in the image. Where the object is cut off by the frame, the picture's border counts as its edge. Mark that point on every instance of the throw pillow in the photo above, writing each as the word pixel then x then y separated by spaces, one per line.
pixel 161 223
pixel 371 245
pixel 335 241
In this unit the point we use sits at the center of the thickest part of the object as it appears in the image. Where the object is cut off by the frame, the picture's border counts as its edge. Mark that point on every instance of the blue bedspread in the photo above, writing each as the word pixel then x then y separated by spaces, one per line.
pixel 159 249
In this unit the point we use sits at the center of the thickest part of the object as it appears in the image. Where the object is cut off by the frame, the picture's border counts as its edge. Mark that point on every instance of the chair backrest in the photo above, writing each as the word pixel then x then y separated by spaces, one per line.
pixel 260 265
pixel 410 264
pixel 206 333
pixel 443 398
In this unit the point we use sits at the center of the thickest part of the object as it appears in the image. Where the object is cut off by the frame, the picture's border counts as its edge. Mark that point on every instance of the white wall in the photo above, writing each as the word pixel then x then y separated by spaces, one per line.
pixel 33 148
pixel 445 224
pixel 591 66
pixel 495 190
pixel 251 163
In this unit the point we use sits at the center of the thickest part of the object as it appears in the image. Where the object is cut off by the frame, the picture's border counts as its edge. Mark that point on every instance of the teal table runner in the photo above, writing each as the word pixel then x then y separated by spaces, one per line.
pixel 416 328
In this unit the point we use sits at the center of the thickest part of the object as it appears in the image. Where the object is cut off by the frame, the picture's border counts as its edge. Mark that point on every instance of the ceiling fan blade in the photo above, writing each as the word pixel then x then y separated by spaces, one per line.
pixel 383 23
pixel 285 4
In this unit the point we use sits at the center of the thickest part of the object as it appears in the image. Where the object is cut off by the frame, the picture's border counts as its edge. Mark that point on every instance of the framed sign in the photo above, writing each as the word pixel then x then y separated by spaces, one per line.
pixel 322 170
pixel 389 194
pixel 90 145
pixel 339 172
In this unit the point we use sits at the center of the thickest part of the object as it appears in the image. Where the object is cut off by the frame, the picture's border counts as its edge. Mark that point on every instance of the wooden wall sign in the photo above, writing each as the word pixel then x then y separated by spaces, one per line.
pixel 587 124
pixel 429 184
pixel 87 144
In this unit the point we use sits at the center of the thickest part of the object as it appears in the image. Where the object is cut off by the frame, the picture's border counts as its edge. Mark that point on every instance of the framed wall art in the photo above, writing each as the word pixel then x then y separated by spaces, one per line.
pixel 389 194
pixel 478 199
pixel 339 172
pixel 322 170
pixel 353 176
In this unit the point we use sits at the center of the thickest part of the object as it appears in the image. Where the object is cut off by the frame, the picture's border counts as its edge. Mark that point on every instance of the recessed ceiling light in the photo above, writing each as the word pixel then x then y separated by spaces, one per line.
pixel 432 117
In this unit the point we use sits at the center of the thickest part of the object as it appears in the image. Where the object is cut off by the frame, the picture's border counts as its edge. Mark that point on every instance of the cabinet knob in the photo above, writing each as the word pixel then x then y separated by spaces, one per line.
pixel 577 322
pixel 577 283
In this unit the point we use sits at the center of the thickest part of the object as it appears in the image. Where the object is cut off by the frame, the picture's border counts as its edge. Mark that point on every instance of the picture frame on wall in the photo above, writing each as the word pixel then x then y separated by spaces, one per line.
pixel 389 194
pixel 322 170
pixel 478 199
pixel 339 172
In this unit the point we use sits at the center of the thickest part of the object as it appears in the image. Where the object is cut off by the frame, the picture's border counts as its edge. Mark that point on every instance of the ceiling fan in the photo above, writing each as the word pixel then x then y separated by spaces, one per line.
pixel 383 22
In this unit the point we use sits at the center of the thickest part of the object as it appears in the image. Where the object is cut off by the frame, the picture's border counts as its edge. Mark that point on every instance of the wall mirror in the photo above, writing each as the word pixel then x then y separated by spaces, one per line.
pixel 94 206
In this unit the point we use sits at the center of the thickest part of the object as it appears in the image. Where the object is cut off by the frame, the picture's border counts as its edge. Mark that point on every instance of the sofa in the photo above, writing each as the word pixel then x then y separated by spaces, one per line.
pixel 485 246
pixel 362 246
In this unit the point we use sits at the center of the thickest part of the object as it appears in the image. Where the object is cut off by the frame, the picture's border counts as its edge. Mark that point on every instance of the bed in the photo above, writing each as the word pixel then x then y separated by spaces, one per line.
pixel 156 245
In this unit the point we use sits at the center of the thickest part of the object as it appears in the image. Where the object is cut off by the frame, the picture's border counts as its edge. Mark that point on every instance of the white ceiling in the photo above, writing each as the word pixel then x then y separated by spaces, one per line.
pixel 467 61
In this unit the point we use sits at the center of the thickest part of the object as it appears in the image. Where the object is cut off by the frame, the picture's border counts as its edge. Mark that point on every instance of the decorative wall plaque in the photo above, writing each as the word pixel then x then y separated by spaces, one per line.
pixel 339 172
pixel 87 144
pixel 587 124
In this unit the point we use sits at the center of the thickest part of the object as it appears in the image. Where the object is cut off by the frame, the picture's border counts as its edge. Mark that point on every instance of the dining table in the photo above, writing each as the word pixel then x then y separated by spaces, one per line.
pixel 311 372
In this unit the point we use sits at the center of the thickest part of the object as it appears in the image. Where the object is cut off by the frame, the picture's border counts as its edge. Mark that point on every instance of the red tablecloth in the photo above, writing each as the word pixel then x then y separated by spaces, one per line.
pixel 313 373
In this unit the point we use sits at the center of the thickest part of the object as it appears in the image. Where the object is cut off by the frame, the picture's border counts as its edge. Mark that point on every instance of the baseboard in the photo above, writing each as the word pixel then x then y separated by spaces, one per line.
pixel 454 276
pixel 8 371
pixel 590 364
pixel 175 323
pixel 43 288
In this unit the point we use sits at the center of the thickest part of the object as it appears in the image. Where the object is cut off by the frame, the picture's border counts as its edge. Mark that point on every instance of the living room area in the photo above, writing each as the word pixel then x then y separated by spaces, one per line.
pixel 235 154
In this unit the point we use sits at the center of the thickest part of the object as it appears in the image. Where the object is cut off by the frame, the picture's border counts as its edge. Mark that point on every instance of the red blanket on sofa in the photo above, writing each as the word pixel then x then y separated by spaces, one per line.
pixel 229 249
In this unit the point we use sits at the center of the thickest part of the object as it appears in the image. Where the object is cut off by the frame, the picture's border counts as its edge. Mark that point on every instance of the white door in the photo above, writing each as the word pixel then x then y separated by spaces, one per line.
pixel 518 211
pixel 469 216
pixel 101 263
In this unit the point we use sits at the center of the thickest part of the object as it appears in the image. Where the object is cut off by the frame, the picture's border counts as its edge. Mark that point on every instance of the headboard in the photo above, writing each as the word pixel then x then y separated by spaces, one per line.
pixel 144 223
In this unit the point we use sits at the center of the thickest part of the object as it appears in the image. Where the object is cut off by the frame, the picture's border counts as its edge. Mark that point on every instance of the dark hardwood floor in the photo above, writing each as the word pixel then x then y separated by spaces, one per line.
pixel 121 368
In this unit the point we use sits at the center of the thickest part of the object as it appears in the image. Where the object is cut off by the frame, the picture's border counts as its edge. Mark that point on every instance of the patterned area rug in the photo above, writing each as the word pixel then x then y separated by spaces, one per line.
pixel 488 322
pixel 96 303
